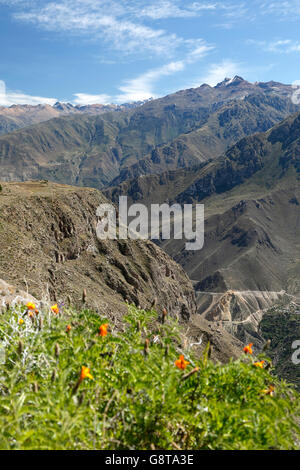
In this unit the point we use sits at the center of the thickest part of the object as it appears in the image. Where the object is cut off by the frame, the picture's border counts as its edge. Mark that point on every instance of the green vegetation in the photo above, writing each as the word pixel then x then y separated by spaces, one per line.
pixel 137 398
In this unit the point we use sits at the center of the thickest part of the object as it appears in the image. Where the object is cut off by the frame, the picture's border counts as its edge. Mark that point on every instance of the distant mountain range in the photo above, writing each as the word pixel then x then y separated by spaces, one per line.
pixel 176 131
pixel 18 116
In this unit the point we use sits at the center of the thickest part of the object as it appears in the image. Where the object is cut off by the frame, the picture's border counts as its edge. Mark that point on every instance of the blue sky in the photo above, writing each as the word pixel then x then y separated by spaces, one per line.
pixel 103 51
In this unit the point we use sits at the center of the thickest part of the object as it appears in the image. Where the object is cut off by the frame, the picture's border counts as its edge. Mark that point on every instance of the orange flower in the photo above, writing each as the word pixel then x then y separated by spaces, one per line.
pixel 31 314
pixel 55 309
pixel 269 391
pixel 259 364
pixel 85 374
pixel 248 349
pixel 30 306
pixel 21 321
pixel 181 363
pixel 103 329
pixel 68 328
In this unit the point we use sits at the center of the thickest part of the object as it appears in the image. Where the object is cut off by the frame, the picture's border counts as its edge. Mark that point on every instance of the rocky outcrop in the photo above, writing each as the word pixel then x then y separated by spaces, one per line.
pixel 11 296
pixel 49 247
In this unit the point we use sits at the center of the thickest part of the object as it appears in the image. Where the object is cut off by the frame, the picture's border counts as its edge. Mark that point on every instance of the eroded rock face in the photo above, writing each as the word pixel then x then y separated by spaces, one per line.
pixel 49 246
pixel 237 307
pixel 240 313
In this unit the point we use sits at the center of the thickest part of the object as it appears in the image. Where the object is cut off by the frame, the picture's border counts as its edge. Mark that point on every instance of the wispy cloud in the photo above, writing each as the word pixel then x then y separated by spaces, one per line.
pixel 139 88
pixel 9 97
pixel 86 99
pixel 78 18
pixel 167 9
pixel 142 87
pixel 120 24
pixel 135 27
pixel 284 9
pixel 282 46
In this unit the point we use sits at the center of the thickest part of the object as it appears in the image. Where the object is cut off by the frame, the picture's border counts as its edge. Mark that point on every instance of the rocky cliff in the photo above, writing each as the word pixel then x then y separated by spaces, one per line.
pixel 49 248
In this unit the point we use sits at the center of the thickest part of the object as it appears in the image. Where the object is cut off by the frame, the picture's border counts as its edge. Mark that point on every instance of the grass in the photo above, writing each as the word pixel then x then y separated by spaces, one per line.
pixel 137 398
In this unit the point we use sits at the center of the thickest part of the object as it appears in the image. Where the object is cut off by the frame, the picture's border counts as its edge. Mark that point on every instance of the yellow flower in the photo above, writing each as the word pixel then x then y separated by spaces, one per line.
pixel 259 364
pixel 181 363
pixel 30 306
pixel 21 321
pixel 55 309
pixel 248 349
pixel 85 374
pixel 269 391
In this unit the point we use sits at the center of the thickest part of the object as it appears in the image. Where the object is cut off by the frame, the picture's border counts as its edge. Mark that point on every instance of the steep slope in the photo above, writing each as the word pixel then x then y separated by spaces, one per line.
pixel 58 150
pixel 49 248
pixel 251 196
pixel 224 126
pixel 176 131
pixel 269 156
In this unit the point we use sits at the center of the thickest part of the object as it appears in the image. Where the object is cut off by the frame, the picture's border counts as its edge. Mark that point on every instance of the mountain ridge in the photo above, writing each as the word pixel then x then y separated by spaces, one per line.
pixel 16 117
pixel 251 197
pixel 178 130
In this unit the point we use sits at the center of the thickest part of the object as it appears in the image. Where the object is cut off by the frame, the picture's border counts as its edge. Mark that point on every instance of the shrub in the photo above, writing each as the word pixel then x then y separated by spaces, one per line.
pixel 131 395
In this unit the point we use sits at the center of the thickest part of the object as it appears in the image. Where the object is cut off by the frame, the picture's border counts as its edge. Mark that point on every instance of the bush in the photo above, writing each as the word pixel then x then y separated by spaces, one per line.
pixel 137 398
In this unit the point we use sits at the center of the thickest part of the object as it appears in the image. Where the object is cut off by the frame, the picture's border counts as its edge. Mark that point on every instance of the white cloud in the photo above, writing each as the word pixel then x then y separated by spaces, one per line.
pixel 124 25
pixel 283 9
pixel 198 50
pixel 13 2
pixel 8 97
pixel 286 46
pixel 141 87
pixel 102 19
pixel 168 9
pixel 136 89
pixel 282 46
pixel 217 72
pixel 86 99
